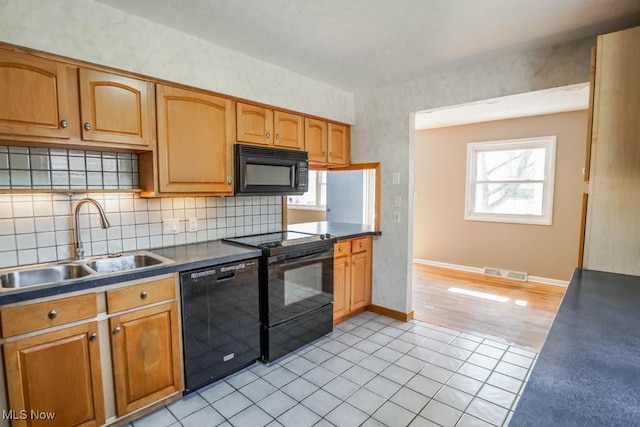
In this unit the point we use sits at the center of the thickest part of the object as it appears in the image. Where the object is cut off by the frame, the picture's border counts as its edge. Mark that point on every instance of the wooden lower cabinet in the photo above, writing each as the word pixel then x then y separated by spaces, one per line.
pixel 146 356
pixel 57 372
pixel 351 277
pixel 360 280
pixel 62 371
pixel 341 280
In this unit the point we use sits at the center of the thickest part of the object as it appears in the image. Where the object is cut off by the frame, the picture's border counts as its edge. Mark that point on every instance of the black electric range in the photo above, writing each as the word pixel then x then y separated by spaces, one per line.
pixel 296 289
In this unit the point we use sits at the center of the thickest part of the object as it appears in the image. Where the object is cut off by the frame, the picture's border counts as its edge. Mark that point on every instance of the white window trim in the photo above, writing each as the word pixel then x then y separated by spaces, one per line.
pixel 547 142
pixel 318 208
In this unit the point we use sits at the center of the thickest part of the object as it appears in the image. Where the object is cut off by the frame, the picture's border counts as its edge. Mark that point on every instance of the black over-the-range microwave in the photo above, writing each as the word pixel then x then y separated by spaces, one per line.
pixel 262 171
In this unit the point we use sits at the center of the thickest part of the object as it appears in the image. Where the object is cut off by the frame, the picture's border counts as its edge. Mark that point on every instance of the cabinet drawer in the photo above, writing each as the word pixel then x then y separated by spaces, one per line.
pixel 140 295
pixel 42 315
pixel 342 248
pixel 360 245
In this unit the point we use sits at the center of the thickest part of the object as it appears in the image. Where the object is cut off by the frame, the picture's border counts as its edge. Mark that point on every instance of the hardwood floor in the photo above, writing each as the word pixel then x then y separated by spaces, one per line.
pixel 520 313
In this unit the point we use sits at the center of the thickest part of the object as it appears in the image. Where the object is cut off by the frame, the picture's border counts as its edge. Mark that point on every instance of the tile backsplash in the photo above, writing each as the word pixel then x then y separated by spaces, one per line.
pixel 52 168
pixel 38 228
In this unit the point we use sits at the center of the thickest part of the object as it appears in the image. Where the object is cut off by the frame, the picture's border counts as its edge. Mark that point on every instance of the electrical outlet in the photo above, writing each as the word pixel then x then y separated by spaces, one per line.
pixel 171 226
pixel 396 216
pixel 193 225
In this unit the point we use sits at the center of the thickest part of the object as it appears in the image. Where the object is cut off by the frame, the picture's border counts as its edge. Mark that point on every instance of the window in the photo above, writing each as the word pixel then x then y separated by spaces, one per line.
pixel 511 181
pixel 316 197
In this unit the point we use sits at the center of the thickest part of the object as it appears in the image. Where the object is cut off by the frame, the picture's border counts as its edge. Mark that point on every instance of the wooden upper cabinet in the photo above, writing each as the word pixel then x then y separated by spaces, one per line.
pixel 33 96
pixel 254 124
pixel 339 146
pixel 57 372
pixel 315 139
pixel 289 130
pixel 146 356
pixel 195 142
pixel 263 126
pixel 115 109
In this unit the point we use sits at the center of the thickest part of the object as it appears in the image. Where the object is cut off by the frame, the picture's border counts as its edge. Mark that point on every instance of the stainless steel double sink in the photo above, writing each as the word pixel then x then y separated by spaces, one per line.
pixel 62 272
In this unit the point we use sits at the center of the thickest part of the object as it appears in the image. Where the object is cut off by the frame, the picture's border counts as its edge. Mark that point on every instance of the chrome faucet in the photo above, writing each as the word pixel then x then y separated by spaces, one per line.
pixel 104 223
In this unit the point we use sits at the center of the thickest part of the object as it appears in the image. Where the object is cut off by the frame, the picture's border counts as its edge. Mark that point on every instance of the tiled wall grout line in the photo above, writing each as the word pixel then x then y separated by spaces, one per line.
pixel 136 223
pixel 37 228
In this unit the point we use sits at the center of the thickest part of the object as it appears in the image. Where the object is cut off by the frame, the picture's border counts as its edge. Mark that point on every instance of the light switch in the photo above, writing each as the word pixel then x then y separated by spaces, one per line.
pixel 397 202
pixel 396 216
pixel 171 226
pixel 395 178
pixel 193 225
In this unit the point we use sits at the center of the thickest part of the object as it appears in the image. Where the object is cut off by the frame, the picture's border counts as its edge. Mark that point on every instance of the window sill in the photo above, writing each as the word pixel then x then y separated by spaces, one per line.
pixel 509 219
pixel 306 208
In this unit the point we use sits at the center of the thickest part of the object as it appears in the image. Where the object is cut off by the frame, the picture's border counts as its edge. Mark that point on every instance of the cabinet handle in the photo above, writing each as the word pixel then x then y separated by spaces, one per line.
pixel 354 262
pixel 93 337
pixel 87 126
pixel 277 136
pixel 64 124
pixel 361 245
pixel 330 154
pixel 346 263
pixel 229 181
pixel 116 330
pixel 268 135
pixel 324 154
pixel 143 295
pixel 52 314
pixel 340 249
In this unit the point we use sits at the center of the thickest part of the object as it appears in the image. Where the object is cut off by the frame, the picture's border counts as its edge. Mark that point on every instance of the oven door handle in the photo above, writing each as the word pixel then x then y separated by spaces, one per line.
pixel 317 256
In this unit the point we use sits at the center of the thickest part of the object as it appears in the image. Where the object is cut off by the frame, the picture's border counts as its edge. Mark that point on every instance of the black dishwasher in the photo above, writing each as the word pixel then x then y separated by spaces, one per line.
pixel 220 321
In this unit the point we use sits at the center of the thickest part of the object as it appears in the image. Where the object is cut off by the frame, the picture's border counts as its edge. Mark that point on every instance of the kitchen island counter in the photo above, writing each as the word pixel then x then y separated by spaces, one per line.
pixel 588 372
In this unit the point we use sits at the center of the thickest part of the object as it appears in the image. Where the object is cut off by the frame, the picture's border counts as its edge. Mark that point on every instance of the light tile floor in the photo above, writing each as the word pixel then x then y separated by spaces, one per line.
pixel 371 371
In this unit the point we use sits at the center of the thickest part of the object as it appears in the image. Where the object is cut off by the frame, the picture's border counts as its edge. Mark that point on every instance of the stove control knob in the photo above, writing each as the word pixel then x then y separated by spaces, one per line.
pixel 322 237
pixel 327 236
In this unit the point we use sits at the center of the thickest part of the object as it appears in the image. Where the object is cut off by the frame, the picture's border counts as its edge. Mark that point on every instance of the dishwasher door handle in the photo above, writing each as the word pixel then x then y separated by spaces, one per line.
pixel 225 278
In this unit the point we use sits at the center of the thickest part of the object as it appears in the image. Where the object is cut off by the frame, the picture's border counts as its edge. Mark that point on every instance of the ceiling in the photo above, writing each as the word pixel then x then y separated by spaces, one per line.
pixel 548 101
pixel 359 44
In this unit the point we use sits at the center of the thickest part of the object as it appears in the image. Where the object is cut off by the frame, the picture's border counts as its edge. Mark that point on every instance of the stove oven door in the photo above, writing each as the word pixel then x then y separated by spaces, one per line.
pixel 299 283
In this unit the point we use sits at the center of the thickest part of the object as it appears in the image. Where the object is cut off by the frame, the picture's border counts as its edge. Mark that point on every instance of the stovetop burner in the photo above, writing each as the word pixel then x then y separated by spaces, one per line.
pixel 283 241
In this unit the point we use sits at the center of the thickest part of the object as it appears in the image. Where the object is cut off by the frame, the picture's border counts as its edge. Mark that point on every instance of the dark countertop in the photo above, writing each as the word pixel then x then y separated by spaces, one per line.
pixel 588 373
pixel 341 230
pixel 185 257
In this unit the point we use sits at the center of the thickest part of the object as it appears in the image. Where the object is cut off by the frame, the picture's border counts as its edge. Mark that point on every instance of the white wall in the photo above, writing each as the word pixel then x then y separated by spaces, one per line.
pixel 384 132
pixel 97 33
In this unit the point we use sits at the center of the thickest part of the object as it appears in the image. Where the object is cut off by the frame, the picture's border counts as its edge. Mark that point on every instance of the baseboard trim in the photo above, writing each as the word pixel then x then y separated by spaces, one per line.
pixel 349 315
pixel 394 314
pixel 537 279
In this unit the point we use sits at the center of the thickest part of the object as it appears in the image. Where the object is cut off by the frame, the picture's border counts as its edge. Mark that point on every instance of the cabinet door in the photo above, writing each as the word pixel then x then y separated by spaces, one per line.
pixel 115 109
pixel 289 131
pixel 146 356
pixel 58 372
pixel 341 279
pixel 360 280
pixel 255 124
pixel 195 139
pixel 339 147
pixel 33 96
pixel 315 140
